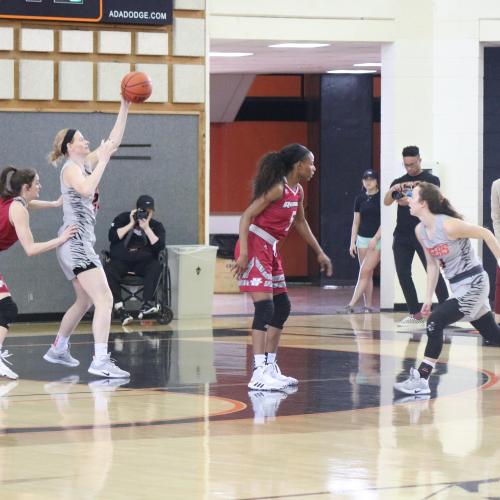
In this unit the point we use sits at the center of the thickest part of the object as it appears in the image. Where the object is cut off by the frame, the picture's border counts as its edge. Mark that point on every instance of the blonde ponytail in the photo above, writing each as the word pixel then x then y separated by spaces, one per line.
pixel 56 153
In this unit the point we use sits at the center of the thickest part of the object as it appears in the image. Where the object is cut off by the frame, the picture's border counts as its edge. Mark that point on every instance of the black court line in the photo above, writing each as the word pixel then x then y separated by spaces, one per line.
pixel 33 479
pixel 468 486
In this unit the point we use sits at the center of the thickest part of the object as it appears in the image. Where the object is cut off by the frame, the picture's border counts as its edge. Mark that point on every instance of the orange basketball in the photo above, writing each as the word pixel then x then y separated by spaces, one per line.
pixel 136 86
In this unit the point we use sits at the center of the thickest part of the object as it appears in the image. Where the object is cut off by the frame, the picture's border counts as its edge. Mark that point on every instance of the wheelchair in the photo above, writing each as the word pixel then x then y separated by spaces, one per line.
pixel 132 287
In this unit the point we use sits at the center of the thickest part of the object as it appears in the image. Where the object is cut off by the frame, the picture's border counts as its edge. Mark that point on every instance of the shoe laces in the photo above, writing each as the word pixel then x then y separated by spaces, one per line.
pixel 4 355
pixel 276 368
pixel 107 359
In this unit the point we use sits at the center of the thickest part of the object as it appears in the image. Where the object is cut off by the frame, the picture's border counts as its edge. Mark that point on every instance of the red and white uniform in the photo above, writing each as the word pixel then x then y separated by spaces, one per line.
pixel 265 271
pixel 8 235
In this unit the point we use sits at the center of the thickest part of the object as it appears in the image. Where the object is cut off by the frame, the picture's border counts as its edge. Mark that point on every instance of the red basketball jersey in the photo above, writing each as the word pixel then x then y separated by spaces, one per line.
pixel 8 235
pixel 277 218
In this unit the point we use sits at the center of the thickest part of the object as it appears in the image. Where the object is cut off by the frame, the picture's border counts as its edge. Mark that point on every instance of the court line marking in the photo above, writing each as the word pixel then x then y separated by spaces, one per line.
pixel 460 484
pixel 237 407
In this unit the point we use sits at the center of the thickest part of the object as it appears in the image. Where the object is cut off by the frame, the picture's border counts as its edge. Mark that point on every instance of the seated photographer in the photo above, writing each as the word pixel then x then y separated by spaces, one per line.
pixel 136 241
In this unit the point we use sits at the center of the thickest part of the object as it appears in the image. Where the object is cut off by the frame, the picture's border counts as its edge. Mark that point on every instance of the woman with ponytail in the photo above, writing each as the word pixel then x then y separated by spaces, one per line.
pixel 19 190
pixel 80 175
pixel 277 204
pixel 445 238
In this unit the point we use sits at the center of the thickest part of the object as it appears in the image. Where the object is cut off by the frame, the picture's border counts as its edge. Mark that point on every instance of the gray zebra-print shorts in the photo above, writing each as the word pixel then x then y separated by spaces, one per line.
pixel 77 254
pixel 472 295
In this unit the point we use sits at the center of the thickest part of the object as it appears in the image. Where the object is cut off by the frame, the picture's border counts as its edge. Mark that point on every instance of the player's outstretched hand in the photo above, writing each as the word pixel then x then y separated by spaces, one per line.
pixel 68 233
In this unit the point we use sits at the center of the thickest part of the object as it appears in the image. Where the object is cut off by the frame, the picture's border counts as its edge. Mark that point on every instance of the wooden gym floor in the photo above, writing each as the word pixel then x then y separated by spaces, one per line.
pixel 186 427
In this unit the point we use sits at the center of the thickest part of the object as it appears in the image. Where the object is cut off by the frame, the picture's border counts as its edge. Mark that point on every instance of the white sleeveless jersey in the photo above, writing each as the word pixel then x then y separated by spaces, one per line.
pixel 78 252
pixel 454 256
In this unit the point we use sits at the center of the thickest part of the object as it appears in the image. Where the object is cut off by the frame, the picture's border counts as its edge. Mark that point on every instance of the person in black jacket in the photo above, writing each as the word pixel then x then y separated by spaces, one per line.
pixel 136 241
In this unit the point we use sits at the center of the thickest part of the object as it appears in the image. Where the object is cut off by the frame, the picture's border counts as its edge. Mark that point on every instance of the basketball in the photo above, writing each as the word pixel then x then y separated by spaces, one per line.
pixel 136 86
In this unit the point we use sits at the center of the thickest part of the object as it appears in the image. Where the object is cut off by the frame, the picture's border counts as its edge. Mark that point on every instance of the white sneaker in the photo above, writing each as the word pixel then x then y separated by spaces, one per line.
pixel 106 367
pixel 5 371
pixel 412 322
pixel 147 309
pixel 262 380
pixel 275 372
pixel 61 358
pixel 414 384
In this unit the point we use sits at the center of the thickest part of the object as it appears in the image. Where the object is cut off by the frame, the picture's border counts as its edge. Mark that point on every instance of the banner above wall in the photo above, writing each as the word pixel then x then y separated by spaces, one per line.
pixel 145 12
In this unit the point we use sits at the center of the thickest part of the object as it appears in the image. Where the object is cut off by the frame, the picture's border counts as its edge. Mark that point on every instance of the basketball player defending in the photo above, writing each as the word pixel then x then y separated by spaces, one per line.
pixel 19 190
pixel 80 176
pixel 277 204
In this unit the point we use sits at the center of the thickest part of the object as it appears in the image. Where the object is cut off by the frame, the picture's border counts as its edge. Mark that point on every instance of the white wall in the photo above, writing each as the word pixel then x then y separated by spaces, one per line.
pixel 432 74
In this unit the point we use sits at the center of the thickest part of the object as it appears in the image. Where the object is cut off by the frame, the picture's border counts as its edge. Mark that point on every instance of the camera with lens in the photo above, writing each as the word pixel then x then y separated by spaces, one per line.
pixel 140 214
pixel 407 190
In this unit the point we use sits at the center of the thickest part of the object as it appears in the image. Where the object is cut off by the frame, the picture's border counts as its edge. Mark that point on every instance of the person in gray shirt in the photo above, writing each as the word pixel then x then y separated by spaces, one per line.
pixel 445 238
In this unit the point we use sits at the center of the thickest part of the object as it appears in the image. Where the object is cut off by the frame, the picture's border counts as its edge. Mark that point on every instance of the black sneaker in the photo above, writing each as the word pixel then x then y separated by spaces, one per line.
pixel 124 316
pixel 148 308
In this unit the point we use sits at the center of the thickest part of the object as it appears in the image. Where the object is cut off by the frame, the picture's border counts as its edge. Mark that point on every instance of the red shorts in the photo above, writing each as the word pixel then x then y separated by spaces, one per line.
pixel 3 286
pixel 264 272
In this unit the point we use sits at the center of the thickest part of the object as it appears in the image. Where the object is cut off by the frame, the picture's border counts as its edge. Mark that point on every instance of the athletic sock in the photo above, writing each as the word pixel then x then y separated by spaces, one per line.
pixel 118 306
pixel 426 368
pixel 259 360
pixel 101 349
pixel 61 343
pixel 271 358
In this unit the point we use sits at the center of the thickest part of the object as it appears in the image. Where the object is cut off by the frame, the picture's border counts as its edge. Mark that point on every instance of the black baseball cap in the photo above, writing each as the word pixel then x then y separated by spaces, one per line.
pixel 145 201
pixel 370 174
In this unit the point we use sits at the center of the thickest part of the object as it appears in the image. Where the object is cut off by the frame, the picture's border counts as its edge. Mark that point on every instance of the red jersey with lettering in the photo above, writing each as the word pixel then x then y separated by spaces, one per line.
pixel 8 235
pixel 277 218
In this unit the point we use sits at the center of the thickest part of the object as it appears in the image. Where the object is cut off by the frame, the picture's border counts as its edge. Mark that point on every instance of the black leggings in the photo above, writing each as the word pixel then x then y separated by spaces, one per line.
pixel 447 313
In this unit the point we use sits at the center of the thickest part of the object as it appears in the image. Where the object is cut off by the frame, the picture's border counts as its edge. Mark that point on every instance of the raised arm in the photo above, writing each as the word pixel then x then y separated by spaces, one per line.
pixel 118 130
pixel 19 218
pixel 116 134
pixel 86 185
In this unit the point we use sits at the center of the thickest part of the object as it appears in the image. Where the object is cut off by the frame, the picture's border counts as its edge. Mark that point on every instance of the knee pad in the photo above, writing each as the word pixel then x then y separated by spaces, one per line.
pixel 282 307
pixel 8 312
pixel 264 310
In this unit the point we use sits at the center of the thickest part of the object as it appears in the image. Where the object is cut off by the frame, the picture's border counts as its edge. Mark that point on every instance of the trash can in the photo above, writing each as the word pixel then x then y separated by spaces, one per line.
pixel 192 276
pixel 225 281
